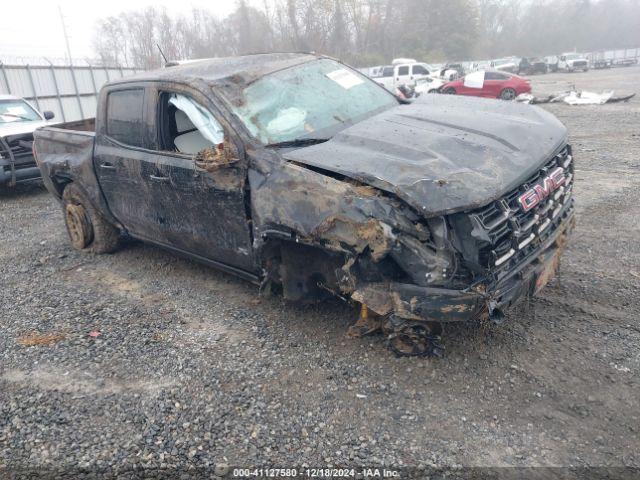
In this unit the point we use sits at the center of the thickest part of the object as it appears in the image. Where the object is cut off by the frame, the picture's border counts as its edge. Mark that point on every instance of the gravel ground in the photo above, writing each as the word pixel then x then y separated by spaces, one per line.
pixel 187 367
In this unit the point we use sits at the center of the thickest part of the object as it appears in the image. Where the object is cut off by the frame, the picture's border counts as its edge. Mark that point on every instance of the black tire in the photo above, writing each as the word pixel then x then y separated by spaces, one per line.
pixel 449 91
pixel 508 94
pixel 88 230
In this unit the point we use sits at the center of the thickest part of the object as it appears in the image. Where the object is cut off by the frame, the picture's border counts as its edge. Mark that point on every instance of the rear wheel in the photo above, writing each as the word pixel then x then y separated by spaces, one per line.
pixel 508 94
pixel 88 230
pixel 449 91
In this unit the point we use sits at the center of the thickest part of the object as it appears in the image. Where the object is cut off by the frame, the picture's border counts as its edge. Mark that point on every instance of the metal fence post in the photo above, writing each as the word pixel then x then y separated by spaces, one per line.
pixel 93 80
pixel 75 86
pixel 55 85
pixel 6 80
pixel 33 87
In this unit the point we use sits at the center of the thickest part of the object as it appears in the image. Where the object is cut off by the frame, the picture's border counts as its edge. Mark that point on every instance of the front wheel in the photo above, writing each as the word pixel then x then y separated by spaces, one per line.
pixel 508 94
pixel 449 91
pixel 88 230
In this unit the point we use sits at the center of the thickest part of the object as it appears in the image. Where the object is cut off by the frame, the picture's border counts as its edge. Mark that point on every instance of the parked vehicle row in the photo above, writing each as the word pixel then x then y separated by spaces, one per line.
pixel 409 72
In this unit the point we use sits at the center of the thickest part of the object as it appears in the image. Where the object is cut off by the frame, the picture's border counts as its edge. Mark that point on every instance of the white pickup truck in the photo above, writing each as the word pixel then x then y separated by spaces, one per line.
pixel 18 121
pixel 394 76
pixel 570 62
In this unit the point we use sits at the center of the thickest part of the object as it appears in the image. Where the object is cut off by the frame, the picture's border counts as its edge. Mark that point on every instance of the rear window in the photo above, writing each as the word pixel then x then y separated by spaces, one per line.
pixel 496 76
pixel 403 71
pixel 124 116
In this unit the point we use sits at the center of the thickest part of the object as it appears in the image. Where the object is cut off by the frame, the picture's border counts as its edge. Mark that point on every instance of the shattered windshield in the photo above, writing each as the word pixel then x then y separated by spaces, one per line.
pixel 17 111
pixel 309 100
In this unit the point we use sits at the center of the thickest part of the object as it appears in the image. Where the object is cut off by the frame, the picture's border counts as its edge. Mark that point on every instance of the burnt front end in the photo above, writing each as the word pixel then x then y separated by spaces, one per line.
pixel 17 163
pixel 514 243
pixel 483 261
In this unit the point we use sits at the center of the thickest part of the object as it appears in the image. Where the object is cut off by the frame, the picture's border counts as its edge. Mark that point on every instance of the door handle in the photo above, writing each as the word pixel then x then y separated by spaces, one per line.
pixel 157 178
pixel 107 166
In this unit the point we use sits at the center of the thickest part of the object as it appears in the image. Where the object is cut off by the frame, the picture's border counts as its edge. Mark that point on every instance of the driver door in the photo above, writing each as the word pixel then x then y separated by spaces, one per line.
pixel 403 77
pixel 199 180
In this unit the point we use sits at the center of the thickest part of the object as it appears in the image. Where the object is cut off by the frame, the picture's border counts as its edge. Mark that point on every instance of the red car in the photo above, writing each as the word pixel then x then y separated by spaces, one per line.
pixel 490 84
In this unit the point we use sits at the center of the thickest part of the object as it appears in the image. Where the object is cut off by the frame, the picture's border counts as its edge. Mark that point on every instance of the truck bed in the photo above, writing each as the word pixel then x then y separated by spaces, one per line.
pixel 17 163
pixel 64 153
pixel 86 125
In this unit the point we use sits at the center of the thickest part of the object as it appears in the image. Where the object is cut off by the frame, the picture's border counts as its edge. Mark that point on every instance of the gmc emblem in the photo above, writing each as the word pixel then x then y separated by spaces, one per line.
pixel 534 196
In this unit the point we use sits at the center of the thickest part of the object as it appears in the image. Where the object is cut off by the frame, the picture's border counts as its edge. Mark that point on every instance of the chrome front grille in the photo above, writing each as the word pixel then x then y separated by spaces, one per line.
pixel 508 232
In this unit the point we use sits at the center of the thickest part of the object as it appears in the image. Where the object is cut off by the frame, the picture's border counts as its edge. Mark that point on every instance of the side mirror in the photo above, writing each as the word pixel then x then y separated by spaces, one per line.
pixel 48 114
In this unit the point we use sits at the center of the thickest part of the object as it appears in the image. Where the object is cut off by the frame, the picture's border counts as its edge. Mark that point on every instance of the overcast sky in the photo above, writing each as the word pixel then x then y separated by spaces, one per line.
pixel 33 27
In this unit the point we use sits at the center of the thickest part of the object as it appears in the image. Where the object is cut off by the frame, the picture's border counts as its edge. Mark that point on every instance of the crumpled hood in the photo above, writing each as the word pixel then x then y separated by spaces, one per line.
pixel 18 128
pixel 442 153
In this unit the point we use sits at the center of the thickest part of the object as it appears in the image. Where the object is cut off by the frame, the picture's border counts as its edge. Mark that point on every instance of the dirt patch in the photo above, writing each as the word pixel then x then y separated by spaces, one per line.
pixel 34 339
pixel 77 382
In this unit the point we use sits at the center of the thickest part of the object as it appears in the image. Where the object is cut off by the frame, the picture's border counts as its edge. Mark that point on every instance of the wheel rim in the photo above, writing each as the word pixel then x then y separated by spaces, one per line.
pixel 508 94
pixel 417 340
pixel 78 225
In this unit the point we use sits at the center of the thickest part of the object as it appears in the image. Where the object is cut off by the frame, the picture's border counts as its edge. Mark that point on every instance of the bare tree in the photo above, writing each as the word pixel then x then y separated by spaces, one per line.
pixel 366 32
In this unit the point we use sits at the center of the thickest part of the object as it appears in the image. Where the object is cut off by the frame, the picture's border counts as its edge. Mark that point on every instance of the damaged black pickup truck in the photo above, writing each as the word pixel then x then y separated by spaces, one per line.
pixel 302 175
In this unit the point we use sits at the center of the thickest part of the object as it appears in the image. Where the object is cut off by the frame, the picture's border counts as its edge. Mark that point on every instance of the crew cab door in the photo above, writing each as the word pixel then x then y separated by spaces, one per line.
pixel 402 76
pixel 387 78
pixel 199 188
pixel 121 153
pixel 562 64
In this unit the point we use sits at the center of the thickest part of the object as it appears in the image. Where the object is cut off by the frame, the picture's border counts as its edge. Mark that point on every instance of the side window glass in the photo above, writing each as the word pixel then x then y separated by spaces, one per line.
pixel 387 72
pixel 403 70
pixel 419 70
pixel 496 76
pixel 124 116
pixel 189 127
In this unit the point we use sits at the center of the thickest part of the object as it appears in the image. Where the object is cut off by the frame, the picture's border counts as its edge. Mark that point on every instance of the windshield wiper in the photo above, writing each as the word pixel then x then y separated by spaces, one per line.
pixel 298 142
pixel 14 116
